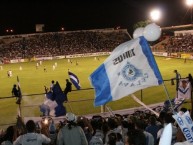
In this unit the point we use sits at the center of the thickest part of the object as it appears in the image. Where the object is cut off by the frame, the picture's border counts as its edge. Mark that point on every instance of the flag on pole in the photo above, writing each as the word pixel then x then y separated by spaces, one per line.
pixel 74 79
pixel 145 106
pixel 130 67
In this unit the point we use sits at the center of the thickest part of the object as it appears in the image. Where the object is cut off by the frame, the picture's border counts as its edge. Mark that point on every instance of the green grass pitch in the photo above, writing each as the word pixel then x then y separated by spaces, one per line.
pixel 32 81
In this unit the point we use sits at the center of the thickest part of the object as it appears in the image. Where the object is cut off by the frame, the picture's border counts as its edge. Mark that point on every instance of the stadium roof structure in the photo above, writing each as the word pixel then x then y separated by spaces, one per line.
pixel 179 27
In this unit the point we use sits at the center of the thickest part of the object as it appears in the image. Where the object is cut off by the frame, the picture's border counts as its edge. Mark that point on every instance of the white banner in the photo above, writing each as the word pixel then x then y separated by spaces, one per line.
pixel 185 123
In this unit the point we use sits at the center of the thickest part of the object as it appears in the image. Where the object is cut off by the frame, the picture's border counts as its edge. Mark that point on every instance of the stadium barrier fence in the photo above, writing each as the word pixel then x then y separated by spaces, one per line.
pixel 27 108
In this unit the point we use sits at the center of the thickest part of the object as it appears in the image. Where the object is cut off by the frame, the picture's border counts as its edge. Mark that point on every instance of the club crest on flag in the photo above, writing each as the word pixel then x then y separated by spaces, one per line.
pixel 130 72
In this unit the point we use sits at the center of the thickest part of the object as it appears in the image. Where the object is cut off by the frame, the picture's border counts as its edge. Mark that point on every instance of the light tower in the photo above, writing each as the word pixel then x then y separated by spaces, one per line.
pixel 189 3
pixel 155 15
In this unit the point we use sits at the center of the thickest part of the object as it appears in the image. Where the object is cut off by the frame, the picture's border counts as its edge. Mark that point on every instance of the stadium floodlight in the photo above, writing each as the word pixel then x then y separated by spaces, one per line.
pixel 155 14
pixel 189 3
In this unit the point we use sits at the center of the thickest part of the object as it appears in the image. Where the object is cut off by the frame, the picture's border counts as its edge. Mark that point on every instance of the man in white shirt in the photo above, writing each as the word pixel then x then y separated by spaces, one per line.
pixel 31 138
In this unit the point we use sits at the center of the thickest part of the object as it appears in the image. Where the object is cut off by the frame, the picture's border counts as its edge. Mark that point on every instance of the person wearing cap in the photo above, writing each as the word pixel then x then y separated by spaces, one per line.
pixel 31 137
pixel 71 133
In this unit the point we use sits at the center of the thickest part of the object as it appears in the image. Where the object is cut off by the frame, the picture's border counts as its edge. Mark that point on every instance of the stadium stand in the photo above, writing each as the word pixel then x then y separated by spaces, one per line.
pixel 99 129
pixel 61 43
pixel 181 43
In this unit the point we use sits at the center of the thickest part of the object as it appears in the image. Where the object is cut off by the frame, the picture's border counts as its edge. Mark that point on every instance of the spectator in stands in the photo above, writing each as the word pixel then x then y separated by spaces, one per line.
pixel 153 128
pixel 119 139
pixel 54 43
pixel 135 137
pixel 31 138
pixel 125 127
pixel 84 123
pixel 112 124
pixel 52 133
pixel 114 139
pixel 139 125
pixel 97 122
pixel 8 137
pixel 71 133
pixel 96 141
pixel 168 119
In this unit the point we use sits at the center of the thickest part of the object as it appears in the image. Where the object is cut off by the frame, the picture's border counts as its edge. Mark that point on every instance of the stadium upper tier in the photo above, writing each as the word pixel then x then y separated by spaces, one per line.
pixel 175 44
pixel 61 43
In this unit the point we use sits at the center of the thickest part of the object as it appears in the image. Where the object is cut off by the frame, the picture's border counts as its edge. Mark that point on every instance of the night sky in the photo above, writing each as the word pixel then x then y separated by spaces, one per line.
pixel 22 16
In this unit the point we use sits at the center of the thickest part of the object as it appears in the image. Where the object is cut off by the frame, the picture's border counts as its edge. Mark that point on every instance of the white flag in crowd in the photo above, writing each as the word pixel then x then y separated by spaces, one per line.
pixel 130 67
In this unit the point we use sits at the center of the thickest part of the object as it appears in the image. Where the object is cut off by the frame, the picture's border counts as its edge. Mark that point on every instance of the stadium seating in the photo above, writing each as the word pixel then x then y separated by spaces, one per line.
pixel 176 44
pixel 98 126
pixel 61 43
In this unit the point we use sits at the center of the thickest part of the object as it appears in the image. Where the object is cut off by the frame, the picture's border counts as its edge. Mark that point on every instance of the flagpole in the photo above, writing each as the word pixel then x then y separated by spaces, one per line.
pixel 69 106
pixel 109 109
pixel 167 94
pixel 144 105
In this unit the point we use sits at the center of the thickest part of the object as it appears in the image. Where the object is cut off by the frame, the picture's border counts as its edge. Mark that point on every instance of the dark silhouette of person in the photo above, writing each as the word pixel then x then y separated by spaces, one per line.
pixel 8 137
pixel 190 78
pixel 52 85
pixel 15 91
pixel 177 78
pixel 45 70
pixel 68 88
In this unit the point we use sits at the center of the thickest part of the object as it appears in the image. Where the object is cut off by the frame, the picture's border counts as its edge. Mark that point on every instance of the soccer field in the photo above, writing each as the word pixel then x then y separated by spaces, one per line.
pixel 33 80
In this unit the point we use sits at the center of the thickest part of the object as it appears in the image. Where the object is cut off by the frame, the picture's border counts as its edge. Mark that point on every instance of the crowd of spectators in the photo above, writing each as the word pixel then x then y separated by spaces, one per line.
pixel 62 43
pixel 181 43
pixel 139 128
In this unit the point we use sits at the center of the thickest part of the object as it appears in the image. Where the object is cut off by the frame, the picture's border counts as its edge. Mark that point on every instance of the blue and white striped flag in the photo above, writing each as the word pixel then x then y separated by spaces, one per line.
pixel 129 68
pixel 74 79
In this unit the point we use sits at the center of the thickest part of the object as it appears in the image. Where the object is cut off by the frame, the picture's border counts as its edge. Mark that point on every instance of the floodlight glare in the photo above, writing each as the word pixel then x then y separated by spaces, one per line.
pixel 46 121
pixel 189 2
pixel 155 14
